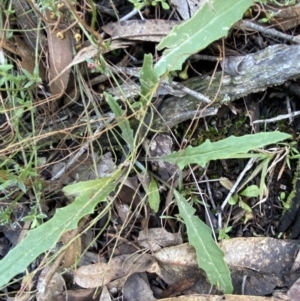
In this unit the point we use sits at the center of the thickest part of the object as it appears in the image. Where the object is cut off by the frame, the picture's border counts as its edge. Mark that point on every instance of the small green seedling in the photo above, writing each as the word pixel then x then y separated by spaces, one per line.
pixel 251 191
pixel 5 216
pixel 34 217
pixel 268 17
pixel 223 233
pixel 139 4
pixel 283 200
pixel 163 3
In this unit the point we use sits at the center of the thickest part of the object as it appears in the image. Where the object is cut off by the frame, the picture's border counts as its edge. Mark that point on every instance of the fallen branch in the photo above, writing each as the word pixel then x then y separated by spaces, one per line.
pixel 252 73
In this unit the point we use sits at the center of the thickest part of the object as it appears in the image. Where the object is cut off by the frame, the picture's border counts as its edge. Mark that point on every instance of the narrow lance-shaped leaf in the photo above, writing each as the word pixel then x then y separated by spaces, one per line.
pixel 230 147
pixel 202 29
pixel 123 123
pixel 209 256
pixel 153 195
pixel 148 77
pixel 44 237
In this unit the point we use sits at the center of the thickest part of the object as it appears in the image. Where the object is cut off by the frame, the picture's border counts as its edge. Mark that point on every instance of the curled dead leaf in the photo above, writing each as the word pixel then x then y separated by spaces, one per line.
pixel 145 30
pixel 60 56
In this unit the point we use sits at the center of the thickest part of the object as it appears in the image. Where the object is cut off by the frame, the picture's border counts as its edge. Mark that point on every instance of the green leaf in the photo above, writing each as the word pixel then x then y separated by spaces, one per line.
pixel 231 147
pixel 123 122
pixel 251 191
pixel 209 256
pixel 197 33
pixel 233 200
pixel 6 67
pixel 44 237
pixel 153 195
pixel 148 77
pixel 165 5
pixel 244 206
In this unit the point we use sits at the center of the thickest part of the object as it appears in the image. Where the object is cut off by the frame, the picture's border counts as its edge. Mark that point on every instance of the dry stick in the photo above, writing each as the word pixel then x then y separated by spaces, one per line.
pixel 244 24
pixel 197 95
pixel 289 109
pixel 110 118
pixel 205 205
pixel 136 72
pixel 209 192
pixel 232 190
pixel 279 117
pixel 129 15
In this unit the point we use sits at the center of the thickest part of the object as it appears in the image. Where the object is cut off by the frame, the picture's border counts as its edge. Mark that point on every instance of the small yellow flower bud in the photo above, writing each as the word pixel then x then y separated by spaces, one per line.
pixel 60 35
pixel 52 16
pixel 77 37
pixel 60 5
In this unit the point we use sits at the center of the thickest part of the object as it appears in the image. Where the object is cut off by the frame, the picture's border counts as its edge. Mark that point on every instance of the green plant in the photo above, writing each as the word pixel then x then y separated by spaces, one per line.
pixel 34 217
pixel 232 147
pixel 223 233
pixel 139 4
pixel 283 200
pixel 191 37
pixel 268 17
pixel 5 216
pixel 251 191
pixel 41 239
pixel 209 256
pixel 163 3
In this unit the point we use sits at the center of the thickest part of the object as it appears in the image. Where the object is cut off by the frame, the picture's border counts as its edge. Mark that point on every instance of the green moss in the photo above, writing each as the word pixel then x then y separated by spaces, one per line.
pixel 214 134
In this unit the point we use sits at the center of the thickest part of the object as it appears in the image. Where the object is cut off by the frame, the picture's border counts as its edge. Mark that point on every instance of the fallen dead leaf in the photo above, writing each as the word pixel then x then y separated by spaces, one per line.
pixel 60 55
pixel 294 291
pixel 90 52
pixel 268 255
pixel 250 260
pixel 296 265
pixel 49 290
pixel 284 18
pixel 27 20
pixel 77 295
pixel 129 193
pixel 178 263
pixel 137 288
pixel 27 56
pixel 160 145
pixel 105 296
pixel 73 251
pixel 183 255
pixel 226 183
pixel 100 274
pixel 142 30
pixel 83 168
pixel 177 288
pixel 117 285
pixel 155 238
